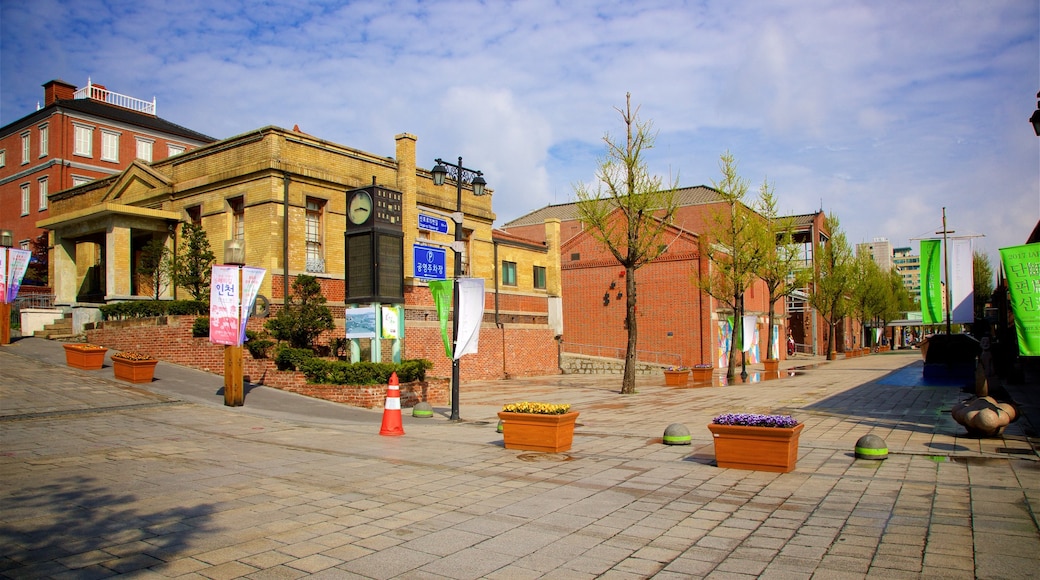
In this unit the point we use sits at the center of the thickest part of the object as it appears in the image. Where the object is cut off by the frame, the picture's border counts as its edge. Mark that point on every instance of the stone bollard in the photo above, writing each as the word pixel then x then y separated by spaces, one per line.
pixel 676 434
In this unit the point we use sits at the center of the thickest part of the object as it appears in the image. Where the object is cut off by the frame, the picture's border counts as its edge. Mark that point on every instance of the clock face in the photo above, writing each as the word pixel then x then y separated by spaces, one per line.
pixel 360 207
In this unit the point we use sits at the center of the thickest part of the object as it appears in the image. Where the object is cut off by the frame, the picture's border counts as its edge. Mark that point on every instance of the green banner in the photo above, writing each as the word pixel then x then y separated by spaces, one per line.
pixel 442 293
pixel 931 282
pixel 1022 267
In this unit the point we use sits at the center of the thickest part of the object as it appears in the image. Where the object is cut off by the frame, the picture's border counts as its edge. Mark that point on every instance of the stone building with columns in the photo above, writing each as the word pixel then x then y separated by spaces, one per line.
pixel 283 193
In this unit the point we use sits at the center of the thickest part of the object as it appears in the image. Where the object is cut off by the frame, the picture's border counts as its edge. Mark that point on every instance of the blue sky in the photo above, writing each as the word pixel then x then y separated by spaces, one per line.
pixel 881 111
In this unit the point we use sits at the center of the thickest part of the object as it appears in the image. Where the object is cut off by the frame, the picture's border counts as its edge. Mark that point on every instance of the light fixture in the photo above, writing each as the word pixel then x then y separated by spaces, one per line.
pixel 1035 119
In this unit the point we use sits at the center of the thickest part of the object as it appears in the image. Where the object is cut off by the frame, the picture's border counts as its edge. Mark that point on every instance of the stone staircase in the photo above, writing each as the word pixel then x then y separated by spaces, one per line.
pixel 57 330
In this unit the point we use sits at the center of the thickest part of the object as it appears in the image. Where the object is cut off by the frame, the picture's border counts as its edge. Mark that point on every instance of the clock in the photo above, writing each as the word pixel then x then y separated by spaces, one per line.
pixel 359 209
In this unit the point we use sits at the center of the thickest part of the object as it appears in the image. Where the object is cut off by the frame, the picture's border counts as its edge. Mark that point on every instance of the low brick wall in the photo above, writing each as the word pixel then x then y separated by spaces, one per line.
pixel 169 339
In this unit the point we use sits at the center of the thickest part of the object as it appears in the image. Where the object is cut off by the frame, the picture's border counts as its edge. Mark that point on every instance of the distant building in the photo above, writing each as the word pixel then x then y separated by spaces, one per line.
pixel 909 267
pixel 75 137
pixel 880 250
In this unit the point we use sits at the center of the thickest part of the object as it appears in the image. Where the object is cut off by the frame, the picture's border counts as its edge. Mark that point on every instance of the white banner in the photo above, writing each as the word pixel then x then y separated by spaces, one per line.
pixel 17 264
pixel 251 280
pixel 390 323
pixel 750 324
pixel 471 314
pixel 962 290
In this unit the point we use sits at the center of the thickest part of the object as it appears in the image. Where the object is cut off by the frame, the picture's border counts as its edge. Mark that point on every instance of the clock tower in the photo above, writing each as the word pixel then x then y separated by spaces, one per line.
pixel 374 246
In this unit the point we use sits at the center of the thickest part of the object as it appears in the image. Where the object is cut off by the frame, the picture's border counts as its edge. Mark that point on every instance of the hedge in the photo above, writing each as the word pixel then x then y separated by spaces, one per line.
pixel 150 308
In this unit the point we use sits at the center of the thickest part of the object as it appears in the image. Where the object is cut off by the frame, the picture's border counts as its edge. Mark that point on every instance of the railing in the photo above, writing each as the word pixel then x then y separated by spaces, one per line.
pixel 27 300
pixel 92 91
pixel 646 356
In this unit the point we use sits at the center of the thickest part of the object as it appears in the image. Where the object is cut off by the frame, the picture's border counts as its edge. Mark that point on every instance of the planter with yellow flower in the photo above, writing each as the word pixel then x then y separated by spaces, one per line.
pixel 133 367
pixel 676 376
pixel 538 426
pixel 89 357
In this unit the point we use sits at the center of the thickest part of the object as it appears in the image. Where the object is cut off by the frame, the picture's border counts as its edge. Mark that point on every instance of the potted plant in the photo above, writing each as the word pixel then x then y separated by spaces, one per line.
pixel 133 366
pixel 82 355
pixel 758 442
pixel 676 376
pixel 702 372
pixel 533 426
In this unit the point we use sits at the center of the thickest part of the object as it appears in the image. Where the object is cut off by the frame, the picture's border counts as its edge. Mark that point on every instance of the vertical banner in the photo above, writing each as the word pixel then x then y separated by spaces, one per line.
pixel 725 340
pixel 17 263
pixel 962 291
pixel 775 332
pixel 750 323
pixel 1022 266
pixel 441 291
pixel 3 276
pixel 390 322
pixel 251 280
pixel 223 306
pixel 471 315
pixel 931 282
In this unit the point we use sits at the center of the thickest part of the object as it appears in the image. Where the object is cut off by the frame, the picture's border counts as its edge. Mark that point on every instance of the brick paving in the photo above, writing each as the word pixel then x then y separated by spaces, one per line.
pixel 99 478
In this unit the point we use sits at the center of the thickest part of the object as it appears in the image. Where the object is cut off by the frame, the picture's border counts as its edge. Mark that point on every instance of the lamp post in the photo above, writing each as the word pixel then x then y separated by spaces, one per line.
pixel 6 241
pixel 475 178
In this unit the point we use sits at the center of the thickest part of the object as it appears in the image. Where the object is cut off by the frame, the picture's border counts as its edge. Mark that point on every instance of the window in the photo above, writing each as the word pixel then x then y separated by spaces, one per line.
pixel 195 215
pixel 80 180
pixel 109 146
pixel 43 193
pixel 3 157
pixel 238 218
pixel 144 149
pixel 44 140
pixel 539 277
pixel 25 245
pixel 25 147
pixel 84 141
pixel 174 150
pixel 508 273
pixel 315 257
pixel 25 199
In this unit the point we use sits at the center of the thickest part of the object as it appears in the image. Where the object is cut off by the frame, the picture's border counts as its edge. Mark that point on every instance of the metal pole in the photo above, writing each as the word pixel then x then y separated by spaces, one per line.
pixel 946 270
pixel 455 369
pixel 743 353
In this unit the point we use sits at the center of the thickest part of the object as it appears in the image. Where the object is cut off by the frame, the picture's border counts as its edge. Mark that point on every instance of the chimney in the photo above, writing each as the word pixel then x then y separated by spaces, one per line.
pixel 57 89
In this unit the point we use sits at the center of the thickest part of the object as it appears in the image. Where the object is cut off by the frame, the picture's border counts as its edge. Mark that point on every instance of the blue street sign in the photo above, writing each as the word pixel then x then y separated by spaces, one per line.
pixel 429 262
pixel 433 224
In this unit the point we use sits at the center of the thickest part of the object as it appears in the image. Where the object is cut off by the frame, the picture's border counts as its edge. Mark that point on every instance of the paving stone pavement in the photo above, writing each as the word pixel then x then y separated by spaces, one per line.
pixel 100 478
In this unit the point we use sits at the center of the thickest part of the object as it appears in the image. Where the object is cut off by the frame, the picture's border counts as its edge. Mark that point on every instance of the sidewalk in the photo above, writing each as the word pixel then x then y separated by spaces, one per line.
pixel 100 477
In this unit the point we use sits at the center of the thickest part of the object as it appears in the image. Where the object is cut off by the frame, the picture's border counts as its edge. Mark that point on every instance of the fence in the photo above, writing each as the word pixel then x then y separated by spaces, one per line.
pixel 645 356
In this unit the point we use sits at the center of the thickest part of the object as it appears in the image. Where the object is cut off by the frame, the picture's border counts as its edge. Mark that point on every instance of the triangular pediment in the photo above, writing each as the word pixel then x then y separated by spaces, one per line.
pixel 139 185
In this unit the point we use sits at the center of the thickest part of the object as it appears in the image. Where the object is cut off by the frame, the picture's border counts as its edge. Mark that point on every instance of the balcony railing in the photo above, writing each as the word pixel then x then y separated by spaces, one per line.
pixel 92 91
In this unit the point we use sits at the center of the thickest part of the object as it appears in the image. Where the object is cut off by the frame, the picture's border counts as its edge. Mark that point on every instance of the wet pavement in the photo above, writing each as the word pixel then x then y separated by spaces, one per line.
pixel 102 478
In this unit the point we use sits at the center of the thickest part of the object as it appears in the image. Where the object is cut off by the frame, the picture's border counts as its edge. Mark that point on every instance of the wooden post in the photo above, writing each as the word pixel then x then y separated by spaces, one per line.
pixel 233 391
pixel 5 323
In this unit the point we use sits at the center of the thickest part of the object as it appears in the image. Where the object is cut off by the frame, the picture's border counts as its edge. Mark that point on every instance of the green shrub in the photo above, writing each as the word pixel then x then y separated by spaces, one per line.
pixel 150 308
pixel 291 359
pixel 200 328
pixel 363 373
pixel 258 343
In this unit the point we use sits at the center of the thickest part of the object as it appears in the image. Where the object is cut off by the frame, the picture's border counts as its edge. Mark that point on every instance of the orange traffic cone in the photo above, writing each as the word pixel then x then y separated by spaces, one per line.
pixel 392 409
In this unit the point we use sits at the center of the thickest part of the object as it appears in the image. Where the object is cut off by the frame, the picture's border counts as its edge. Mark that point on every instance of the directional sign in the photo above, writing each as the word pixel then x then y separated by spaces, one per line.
pixel 433 224
pixel 429 262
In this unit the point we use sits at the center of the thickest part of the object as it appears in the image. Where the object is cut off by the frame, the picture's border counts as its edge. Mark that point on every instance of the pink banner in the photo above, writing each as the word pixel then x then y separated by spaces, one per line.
pixel 223 306
pixel 17 264
pixel 251 280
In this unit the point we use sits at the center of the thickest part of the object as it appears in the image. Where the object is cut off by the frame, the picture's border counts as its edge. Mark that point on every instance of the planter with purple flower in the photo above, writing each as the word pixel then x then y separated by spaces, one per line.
pixel 757 442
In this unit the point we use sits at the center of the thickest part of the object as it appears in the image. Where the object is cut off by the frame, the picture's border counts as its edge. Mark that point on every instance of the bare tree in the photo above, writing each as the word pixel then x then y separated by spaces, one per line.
pixel 628 212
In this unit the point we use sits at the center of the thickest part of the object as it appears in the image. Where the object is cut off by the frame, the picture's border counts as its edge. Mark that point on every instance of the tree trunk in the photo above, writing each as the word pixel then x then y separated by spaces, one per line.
pixel 628 383
pixel 734 346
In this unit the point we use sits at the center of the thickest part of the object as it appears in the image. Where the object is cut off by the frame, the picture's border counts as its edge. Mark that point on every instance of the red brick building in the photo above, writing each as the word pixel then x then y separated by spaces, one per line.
pixel 677 323
pixel 75 137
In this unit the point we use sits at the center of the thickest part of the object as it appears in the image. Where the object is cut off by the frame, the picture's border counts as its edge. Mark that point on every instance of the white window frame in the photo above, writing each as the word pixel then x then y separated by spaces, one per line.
pixel 315 213
pixel 26 147
pixel 145 146
pixel 172 150
pixel 78 180
pixel 3 157
pixel 238 218
pixel 83 140
pixel 25 199
pixel 25 245
pixel 107 145
pixel 41 183
pixel 44 140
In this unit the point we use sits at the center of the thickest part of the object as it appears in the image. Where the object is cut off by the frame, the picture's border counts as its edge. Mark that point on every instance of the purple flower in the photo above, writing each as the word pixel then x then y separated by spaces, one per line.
pixel 754 420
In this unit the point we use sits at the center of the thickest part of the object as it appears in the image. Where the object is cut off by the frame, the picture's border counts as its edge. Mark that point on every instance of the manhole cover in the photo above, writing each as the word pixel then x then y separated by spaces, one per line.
pixel 551 457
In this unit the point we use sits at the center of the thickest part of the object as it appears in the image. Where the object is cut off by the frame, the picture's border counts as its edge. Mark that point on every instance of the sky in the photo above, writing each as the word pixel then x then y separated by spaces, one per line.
pixel 881 112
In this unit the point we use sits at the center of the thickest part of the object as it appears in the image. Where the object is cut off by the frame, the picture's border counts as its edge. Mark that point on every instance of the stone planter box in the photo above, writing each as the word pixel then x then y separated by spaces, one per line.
pixel 82 356
pixel 702 375
pixel 534 432
pixel 756 448
pixel 134 371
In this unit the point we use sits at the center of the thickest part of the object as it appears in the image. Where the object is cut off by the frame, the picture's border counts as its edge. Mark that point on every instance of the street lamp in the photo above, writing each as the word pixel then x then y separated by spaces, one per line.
pixel 475 178
pixel 1035 119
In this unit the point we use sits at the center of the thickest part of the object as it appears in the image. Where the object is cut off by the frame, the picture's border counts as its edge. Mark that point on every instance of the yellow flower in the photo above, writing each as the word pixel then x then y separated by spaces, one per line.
pixel 536 408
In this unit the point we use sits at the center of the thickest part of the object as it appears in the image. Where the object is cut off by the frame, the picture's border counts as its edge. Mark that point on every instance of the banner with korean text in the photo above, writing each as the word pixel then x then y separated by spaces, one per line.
pixel 962 285
pixel 251 280
pixel 1022 267
pixel 224 295
pixel 11 273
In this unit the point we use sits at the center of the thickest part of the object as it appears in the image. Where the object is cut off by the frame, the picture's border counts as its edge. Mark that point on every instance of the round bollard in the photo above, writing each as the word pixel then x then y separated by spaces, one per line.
pixel 871 447
pixel 499 429
pixel 676 434
pixel 422 409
